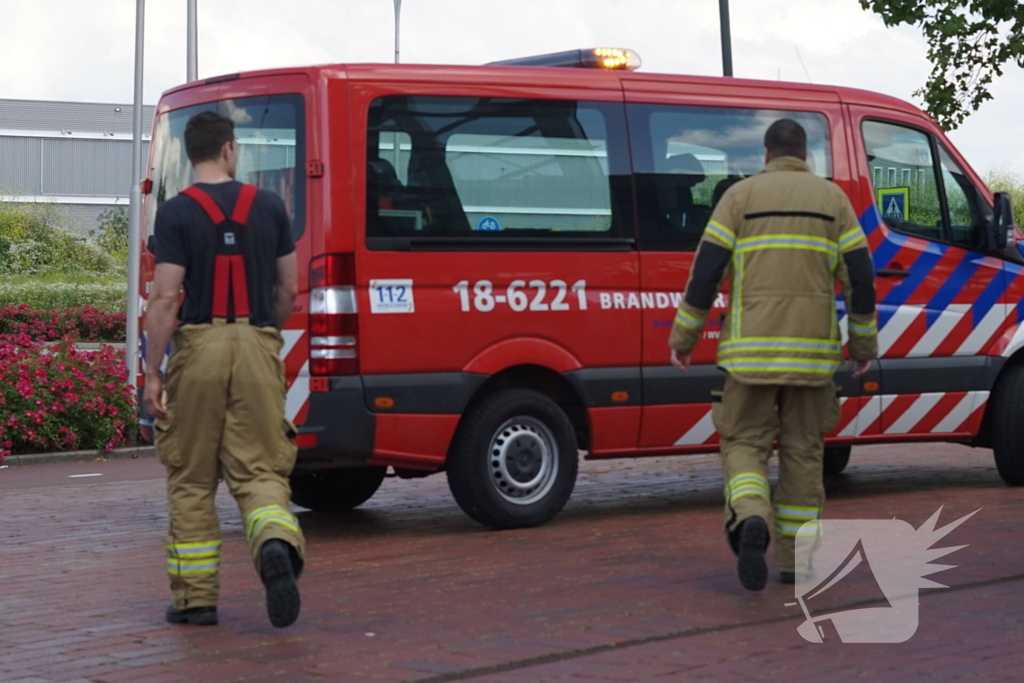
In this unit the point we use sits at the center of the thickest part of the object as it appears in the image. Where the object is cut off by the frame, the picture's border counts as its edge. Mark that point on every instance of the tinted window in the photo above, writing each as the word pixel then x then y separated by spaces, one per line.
pixel 685 158
pixel 481 168
pixel 961 198
pixel 271 148
pixel 907 193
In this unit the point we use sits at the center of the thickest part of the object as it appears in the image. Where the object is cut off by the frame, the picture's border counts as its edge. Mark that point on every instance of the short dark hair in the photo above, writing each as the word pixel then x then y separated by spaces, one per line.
pixel 205 133
pixel 786 138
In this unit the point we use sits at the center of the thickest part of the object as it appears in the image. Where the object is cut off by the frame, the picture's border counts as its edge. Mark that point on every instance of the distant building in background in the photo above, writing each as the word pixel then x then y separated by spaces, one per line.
pixel 77 155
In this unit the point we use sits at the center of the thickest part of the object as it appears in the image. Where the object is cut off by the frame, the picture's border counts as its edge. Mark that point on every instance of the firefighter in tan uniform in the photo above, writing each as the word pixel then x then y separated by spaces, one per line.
pixel 783 238
pixel 230 245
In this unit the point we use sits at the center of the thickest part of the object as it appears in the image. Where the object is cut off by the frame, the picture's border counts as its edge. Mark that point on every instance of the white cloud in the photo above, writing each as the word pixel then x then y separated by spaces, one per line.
pixel 84 49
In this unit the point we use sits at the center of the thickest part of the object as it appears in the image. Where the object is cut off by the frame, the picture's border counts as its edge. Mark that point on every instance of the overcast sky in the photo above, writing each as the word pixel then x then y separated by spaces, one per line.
pixel 83 50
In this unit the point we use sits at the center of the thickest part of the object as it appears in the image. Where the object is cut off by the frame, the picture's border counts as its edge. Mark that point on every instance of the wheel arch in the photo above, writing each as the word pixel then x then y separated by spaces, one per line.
pixel 984 437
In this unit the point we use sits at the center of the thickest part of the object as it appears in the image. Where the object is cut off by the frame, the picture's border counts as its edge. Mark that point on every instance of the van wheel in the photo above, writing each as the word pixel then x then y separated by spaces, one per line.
pixel 336 490
pixel 1007 405
pixel 836 459
pixel 514 460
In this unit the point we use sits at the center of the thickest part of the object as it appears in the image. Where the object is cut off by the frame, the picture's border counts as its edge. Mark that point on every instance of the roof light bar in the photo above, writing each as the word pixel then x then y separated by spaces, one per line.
pixel 608 58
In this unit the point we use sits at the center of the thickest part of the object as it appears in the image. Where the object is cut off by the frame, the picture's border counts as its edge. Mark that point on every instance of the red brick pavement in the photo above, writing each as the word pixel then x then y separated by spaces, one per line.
pixel 631 582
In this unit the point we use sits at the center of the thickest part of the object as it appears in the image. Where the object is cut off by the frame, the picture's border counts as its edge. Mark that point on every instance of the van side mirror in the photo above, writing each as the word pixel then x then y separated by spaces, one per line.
pixel 1000 232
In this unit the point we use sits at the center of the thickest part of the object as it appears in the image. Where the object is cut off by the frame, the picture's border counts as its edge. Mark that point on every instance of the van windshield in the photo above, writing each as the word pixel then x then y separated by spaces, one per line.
pixel 270 135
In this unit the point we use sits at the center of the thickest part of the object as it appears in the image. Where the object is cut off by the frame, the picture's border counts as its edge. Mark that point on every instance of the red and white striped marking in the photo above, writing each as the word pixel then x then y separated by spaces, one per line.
pixel 699 433
pixel 294 355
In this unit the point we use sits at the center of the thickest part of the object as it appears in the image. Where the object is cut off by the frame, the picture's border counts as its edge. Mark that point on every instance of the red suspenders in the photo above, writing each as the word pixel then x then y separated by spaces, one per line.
pixel 229 262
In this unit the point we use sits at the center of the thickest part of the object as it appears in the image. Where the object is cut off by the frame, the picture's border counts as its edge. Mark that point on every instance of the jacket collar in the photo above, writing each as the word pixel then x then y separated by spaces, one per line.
pixel 786 164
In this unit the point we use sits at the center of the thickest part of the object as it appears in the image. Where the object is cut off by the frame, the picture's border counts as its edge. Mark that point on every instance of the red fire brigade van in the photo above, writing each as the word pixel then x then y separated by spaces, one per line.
pixel 491 258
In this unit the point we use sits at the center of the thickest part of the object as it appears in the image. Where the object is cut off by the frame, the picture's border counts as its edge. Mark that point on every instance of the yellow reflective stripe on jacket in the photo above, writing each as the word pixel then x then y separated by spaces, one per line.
pixel 767 364
pixel 850 239
pixel 194 550
pixel 748 484
pixel 722 233
pixel 863 330
pixel 269 514
pixel 763 242
pixel 779 344
pixel 688 320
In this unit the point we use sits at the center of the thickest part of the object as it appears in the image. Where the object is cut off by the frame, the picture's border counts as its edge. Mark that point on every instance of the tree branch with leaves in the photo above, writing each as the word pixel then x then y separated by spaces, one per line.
pixel 969 43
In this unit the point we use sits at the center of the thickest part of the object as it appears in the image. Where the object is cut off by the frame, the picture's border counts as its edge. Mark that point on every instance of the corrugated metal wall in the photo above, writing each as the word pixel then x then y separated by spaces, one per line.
pixel 79 117
pixel 96 168
pixel 19 166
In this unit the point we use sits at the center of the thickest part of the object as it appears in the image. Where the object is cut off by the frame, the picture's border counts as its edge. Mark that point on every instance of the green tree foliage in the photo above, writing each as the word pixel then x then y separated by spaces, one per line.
pixel 33 241
pixel 969 43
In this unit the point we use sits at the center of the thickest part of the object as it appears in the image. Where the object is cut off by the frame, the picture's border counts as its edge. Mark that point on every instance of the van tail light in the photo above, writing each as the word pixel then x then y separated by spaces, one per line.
pixel 333 316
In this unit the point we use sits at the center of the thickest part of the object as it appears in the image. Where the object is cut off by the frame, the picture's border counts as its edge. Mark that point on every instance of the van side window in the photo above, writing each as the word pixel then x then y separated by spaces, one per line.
pixel 913 201
pixel 486 168
pixel 685 158
pixel 962 202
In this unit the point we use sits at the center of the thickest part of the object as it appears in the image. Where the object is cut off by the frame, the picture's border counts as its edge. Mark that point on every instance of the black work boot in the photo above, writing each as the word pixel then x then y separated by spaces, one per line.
pixel 752 537
pixel 195 616
pixel 278 574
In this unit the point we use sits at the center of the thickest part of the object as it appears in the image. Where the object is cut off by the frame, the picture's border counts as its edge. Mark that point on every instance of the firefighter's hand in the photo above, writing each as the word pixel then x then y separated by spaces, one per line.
pixel 153 397
pixel 679 361
pixel 859 367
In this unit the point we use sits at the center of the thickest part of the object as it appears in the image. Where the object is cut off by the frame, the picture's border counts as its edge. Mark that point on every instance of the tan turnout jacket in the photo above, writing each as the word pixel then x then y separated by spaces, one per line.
pixel 783 238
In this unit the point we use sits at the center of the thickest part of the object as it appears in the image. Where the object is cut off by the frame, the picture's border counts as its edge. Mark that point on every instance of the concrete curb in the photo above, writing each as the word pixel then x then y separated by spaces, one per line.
pixel 79 456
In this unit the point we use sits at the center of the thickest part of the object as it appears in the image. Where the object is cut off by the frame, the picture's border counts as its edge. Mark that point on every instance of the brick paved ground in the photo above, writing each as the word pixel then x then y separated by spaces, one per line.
pixel 631 582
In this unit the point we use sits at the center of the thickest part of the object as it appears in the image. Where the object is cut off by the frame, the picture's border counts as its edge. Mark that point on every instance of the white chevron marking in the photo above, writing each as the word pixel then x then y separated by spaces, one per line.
pixel 940 329
pixel 698 433
pixel 917 410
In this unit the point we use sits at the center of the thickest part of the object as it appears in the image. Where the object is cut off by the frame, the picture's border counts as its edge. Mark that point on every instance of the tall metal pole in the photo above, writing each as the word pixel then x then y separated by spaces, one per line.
pixel 135 205
pixel 723 11
pixel 193 44
pixel 398 17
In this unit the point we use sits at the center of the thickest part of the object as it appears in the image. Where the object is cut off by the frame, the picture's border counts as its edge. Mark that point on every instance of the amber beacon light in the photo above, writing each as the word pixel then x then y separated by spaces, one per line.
pixel 607 58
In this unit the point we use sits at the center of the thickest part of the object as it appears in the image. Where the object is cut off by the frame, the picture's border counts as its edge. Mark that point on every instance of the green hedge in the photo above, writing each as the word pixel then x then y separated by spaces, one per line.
pixel 57 294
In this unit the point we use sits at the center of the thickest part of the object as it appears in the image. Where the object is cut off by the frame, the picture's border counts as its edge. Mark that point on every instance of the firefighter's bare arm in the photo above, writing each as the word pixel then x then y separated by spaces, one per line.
pixel 286 288
pixel 161 318
pixel 710 267
pixel 856 274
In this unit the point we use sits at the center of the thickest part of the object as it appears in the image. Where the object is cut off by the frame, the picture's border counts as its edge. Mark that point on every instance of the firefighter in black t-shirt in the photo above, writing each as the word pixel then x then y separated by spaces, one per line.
pixel 230 245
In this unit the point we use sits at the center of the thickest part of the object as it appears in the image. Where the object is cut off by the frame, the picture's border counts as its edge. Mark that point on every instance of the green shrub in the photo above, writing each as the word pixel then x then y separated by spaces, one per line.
pixel 33 241
pixel 113 234
pixel 56 293
pixel 1011 182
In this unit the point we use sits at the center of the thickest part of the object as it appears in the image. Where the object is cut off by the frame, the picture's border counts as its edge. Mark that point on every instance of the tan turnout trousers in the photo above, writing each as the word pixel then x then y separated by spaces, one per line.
pixel 225 402
pixel 749 419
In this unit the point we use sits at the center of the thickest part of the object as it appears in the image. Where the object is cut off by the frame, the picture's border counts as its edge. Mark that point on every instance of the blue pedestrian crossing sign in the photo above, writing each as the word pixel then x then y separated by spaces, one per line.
pixel 894 202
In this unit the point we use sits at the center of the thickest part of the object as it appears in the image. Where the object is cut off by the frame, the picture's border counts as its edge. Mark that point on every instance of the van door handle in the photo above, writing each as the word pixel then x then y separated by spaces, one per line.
pixel 892 272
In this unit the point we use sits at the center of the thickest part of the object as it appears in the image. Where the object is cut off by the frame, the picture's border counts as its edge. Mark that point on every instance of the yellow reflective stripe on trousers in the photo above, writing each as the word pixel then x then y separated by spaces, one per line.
pixel 688 320
pixel 180 567
pixel 811 528
pixel 722 233
pixel 748 484
pixel 863 330
pixel 269 514
pixel 194 550
pixel 797 511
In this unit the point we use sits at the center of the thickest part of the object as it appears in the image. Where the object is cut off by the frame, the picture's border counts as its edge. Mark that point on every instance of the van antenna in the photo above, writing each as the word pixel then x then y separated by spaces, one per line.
pixel 802 63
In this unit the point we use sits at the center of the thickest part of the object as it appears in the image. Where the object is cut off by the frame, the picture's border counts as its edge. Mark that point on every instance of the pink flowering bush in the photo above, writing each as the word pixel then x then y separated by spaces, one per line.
pixel 84 323
pixel 57 398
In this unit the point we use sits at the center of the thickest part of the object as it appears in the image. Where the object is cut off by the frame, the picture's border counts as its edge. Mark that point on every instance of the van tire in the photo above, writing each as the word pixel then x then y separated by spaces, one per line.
pixel 336 490
pixel 836 459
pixel 514 460
pixel 1007 405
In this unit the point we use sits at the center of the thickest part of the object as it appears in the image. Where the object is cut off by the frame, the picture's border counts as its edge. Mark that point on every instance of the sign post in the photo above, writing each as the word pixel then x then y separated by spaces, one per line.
pixel 135 204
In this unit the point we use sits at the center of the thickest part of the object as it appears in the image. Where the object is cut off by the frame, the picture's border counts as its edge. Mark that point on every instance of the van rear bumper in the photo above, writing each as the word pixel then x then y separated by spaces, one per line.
pixel 343 426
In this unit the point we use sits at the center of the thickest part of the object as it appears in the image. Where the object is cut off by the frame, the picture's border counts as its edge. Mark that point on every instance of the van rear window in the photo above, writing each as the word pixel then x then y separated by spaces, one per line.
pixel 271 151
pixel 481 168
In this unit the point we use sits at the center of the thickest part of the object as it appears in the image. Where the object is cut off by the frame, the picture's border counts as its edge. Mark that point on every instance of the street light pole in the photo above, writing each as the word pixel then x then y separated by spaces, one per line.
pixel 398 16
pixel 192 73
pixel 135 204
pixel 723 12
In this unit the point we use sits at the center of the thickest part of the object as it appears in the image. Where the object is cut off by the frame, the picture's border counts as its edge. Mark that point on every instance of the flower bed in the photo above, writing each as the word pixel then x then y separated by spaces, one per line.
pixel 83 323
pixel 56 398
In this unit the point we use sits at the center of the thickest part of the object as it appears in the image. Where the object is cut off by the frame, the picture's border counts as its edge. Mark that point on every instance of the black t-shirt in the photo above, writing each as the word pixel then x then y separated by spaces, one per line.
pixel 184 235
